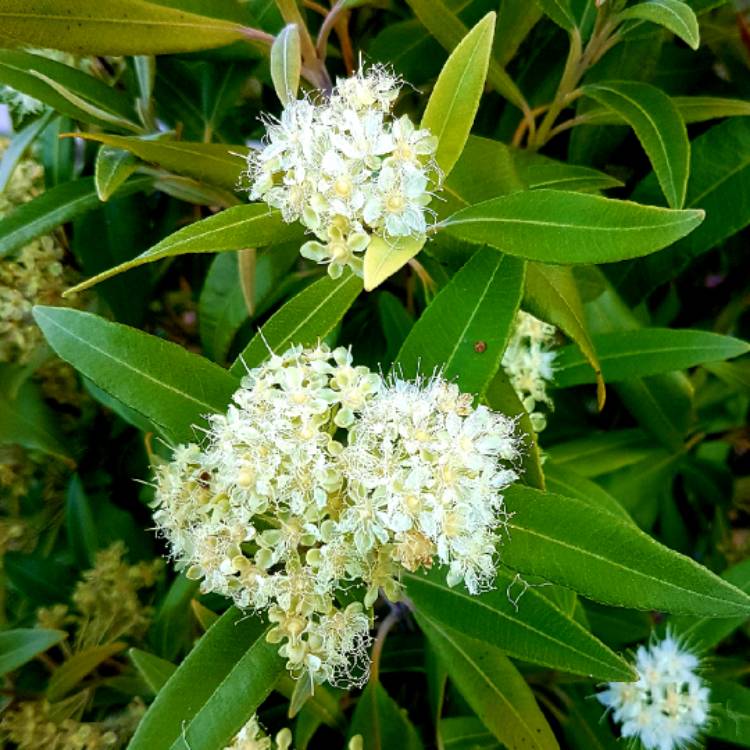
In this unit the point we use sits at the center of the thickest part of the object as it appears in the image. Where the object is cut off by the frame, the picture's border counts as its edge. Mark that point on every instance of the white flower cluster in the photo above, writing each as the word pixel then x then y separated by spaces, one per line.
pixel 529 363
pixel 667 706
pixel 252 737
pixel 347 169
pixel 323 480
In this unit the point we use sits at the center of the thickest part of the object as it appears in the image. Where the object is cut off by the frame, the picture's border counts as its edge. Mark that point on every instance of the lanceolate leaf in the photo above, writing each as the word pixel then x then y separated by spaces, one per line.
pixel 730 715
pixel 113 167
pixel 238 227
pixel 560 12
pixel 215 689
pixel 112 27
pixel 556 226
pixel 539 171
pixel 517 619
pixel 454 101
pixel 380 720
pixel 154 670
pixel 659 127
pixel 465 329
pixel 675 15
pixel 306 319
pixel 82 663
pixel 384 257
pixel 646 351
pixel 18 145
pixel 54 207
pixel 286 63
pixel 492 687
pixel 568 542
pixel 159 379
pixel 214 163
pixel 19 646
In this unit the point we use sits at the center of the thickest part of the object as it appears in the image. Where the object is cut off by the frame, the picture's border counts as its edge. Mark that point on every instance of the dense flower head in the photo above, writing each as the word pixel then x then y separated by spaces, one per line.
pixel 667 707
pixel 323 478
pixel 347 169
pixel 529 363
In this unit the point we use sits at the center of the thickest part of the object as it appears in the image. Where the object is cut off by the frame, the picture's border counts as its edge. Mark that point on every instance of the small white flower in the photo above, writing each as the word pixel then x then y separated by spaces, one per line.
pixel 667 707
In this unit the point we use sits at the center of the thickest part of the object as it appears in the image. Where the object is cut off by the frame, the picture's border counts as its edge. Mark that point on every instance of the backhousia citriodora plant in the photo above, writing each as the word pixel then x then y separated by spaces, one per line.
pixel 372 374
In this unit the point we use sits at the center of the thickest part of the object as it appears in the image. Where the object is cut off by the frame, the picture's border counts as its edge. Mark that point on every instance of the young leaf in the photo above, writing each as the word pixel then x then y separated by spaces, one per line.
pixel 157 378
pixel 214 163
pixel 590 551
pixel 54 207
pixel 305 319
pixel 214 690
pixel 384 257
pixel 286 63
pixel 238 227
pixel 517 619
pixel 113 166
pixel 464 330
pixel 659 127
pixel 556 226
pixel 82 536
pixel 675 15
pixel 113 27
pixel 154 670
pixel 646 351
pixel 20 646
pixel 454 101
pixel 492 687
pixel 381 722
pixel 551 294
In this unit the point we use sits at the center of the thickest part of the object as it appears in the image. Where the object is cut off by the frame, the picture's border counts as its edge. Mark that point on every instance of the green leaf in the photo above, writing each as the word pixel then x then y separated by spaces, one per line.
pixel 584 725
pixel 21 645
pixel 492 687
pixel 395 321
pixel 18 145
pixel 515 19
pixel 305 319
pixel 214 163
pixel 65 89
pixel 381 722
pixel 519 620
pixel 449 30
pixel 539 171
pixel 323 703
pixel 70 673
pixel 646 351
pixel 154 670
pixel 113 166
pixel 41 580
pixel 466 733
pixel 464 330
pixel 157 378
pixel 27 420
pixel 384 257
pixel 719 184
pixel 675 15
pixel 454 101
pixel 216 688
pixel 560 12
pixel 730 713
pixel 551 294
pixel 705 633
pixel 54 207
pixel 556 226
pixel 286 63
pixel 82 536
pixel 236 228
pixel 112 27
pixel 702 108
pixel 172 630
pixel 609 560
pixel 659 127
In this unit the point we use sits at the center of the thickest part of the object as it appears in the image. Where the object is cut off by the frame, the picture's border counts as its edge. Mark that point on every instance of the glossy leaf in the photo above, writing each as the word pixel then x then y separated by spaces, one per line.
pixel 214 690
pixel 570 543
pixel 492 687
pixel 286 63
pixel 305 319
pixel 539 171
pixel 646 351
pixel 159 379
pixel 454 101
pixel 556 226
pixel 659 127
pixel 236 228
pixel 464 330
pixel 380 720
pixel 21 645
pixel 54 207
pixel 214 163
pixel 518 620
pixel 675 15
pixel 113 167
pixel 383 258
pixel 111 27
